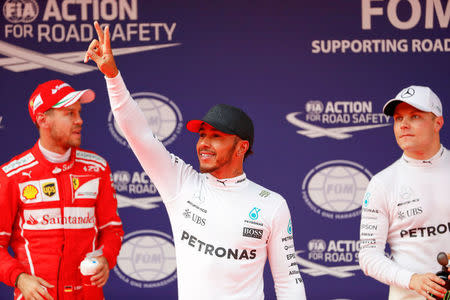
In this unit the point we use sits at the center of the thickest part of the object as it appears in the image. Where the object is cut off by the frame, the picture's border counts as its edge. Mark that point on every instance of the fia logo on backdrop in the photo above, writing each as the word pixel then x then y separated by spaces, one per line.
pixel 336 119
pixel 337 258
pixel 135 189
pixel 335 189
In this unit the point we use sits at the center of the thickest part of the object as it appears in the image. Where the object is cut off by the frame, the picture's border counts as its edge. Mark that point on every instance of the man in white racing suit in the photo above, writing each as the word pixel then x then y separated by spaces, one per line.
pixel 407 204
pixel 225 226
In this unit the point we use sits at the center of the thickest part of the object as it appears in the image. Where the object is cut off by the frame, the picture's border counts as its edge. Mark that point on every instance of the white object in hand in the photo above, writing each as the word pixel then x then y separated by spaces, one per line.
pixel 88 266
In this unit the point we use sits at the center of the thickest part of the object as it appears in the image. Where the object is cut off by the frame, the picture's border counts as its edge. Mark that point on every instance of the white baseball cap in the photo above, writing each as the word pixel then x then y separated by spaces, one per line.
pixel 421 97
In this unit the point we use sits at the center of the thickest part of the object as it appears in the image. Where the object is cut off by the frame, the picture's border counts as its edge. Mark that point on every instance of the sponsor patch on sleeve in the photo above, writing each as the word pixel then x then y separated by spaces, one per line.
pixel 91 156
pixel 18 163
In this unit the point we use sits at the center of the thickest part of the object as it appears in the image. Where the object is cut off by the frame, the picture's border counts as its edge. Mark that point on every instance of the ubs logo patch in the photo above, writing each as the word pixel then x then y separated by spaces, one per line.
pixel 195 218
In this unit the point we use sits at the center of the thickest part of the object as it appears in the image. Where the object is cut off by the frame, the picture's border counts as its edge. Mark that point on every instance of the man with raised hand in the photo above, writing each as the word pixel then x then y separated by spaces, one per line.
pixel 225 226
pixel 407 204
pixel 57 204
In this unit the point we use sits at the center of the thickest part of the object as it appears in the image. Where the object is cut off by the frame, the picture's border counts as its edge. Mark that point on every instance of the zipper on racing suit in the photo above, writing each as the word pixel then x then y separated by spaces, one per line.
pixel 60 290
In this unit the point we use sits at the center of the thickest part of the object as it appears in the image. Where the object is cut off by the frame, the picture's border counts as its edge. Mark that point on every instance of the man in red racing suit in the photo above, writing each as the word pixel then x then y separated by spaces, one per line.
pixel 54 213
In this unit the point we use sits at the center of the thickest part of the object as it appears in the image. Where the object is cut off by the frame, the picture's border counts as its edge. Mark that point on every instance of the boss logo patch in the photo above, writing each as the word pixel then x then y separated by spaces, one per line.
pixel 252 233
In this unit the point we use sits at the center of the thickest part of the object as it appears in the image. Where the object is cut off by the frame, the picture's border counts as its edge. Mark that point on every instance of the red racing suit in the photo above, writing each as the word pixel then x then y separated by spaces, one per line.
pixel 52 215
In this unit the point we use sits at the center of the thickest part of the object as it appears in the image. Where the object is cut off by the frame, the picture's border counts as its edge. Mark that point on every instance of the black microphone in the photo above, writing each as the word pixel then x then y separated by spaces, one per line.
pixel 443 260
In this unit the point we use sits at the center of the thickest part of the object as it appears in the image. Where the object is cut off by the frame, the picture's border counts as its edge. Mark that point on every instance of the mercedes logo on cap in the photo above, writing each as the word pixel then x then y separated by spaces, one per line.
pixel 409 92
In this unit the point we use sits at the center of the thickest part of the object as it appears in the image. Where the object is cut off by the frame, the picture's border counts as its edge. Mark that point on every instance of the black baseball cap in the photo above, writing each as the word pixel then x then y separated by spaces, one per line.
pixel 228 119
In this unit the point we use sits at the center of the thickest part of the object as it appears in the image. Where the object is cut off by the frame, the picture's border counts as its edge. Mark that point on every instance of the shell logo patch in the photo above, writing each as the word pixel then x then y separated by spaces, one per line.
pixel 76 183
pixel 30 192
pixel 49 189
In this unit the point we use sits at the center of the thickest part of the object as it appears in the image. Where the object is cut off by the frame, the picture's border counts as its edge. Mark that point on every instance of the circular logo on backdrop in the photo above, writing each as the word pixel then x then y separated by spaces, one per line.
pixel 162 115
pixel 147 259
pixel 335 189
pixel 20 11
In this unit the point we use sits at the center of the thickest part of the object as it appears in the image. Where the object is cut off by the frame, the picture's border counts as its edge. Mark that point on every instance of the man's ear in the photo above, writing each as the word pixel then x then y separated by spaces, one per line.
pixel 439 122
pixel 41 120
pixel 242 148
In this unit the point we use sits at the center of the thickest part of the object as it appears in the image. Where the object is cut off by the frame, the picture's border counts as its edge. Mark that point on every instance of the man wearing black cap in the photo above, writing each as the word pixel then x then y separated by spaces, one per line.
pixel 407 205
pixel 225 226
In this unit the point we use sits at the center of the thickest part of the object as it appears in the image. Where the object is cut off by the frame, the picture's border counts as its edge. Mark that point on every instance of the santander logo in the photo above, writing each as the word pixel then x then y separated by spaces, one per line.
pixel 51 219
pixel 74 218
pixel 32 221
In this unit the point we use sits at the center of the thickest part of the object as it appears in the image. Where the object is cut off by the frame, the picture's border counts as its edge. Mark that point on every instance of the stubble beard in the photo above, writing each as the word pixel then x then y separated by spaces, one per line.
pixel 75 143
pixel 70 142
pixel 218 163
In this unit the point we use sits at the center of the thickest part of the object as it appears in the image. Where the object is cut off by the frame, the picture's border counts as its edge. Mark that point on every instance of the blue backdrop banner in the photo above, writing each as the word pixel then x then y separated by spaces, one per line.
pixel 313 75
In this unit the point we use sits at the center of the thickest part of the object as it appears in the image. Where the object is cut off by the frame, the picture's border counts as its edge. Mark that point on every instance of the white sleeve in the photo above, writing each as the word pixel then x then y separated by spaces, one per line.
pixel 375 223
pixel 164 169
pixel 282 257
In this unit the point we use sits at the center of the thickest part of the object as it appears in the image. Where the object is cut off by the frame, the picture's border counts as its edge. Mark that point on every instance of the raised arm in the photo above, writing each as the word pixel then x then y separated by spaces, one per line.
pixel 101 53
pixel 164 169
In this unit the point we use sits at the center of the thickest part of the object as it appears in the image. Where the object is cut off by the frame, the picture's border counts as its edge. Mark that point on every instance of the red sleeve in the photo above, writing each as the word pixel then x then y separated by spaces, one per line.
pixel 11 267
pixel 108 220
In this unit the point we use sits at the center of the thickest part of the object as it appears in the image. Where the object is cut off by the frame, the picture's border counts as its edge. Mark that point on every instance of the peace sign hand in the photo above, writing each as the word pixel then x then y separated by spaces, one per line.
pixel 100 52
